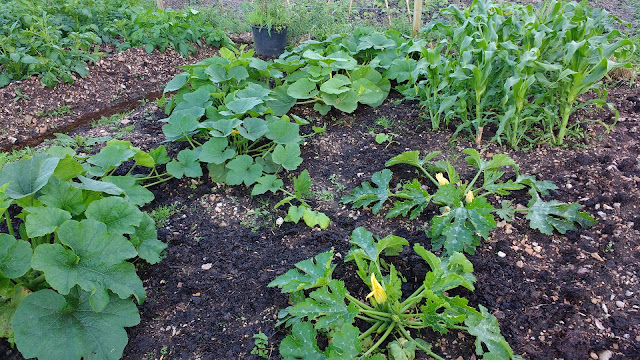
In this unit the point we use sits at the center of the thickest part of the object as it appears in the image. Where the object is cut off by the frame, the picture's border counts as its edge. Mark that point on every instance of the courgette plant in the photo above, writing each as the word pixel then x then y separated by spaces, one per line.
pixel 72 228
pixel 392 322
pixel 466 215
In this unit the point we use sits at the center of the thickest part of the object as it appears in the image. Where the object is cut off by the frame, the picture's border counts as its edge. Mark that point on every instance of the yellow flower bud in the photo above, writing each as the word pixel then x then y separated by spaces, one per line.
pixel 378 291
pixel 469 196
pixel 441 179
pixel 235 132
pixel 445 210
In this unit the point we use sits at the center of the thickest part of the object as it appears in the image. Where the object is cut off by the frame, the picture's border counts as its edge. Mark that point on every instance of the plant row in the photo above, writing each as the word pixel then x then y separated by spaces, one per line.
pixel 56 39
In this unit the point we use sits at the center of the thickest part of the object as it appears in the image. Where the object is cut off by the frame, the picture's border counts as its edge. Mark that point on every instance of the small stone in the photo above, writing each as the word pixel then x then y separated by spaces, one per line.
pixel 501 254
pixel 628 293
pixel 519 264
pixel 593 355
pixel 606 207
pixel 602 215
pixel 125 121
pixel 605 355
pixel 599 324
pixel 12 139
pixel 597 257
pixel 616 206
pixel 582 271
pixel 179 285
pixel 279 221
pixel 206 266
pixel 569 186
pixel 620 304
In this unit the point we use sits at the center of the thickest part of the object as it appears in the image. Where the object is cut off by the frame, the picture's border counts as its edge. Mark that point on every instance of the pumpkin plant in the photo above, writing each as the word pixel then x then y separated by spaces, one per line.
pixel 72 228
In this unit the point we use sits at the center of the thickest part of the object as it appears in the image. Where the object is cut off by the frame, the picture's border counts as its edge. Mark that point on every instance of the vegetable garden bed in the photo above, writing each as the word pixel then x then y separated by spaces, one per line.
pixel 557 283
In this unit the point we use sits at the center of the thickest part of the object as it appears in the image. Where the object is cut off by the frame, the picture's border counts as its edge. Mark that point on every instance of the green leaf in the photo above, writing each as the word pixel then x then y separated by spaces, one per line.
pixel 283 132
pixel 95 185
pixel 416 200
pixel 547 216
pixel 336 85
pixel 95 260
pixel 310 273
pixel 402 349
pixel 301 344
pixel 8 309
pixel 243 170
pixel 446 273
pixel 111 156
pixel 288 156
pixel 180 125
pixel 223 128
pixel 119 216
pixel 327 307
pixel 48 326
pixel 68 168
pixel 186 165
pixel 436 313
pixel 295 213
pixel 15 257
pixel 134 193
pixel 44 220
pixel 145 240
pixel 27 176
pixel 302 185
pixel 177 82
pixel 370 249
pixel 218 173
pixel 365 194
pixel 344 343
pixel 456 230
pixel 253 128
pixel 280 101
pixel 160 155
pixel 313 218
pixel 243 105
pixel 302 89
pixel 60 194
pixel 347 101
pixel 484 326
pixel 216 151
pixel 267 183
pixel 542 187
pixel 411 158
pixel 497 161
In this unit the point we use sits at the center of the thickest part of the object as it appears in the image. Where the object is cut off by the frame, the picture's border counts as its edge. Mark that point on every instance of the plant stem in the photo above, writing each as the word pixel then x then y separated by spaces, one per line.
pixel 369 331
pixel 381 340
pixel 348 296
pixel 426 350
pixel 8 220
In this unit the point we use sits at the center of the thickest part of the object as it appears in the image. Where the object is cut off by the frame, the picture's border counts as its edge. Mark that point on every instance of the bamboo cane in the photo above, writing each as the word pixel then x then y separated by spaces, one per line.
pixel 160 4
pixel 386 3
pixel 408 11
pixel 417 17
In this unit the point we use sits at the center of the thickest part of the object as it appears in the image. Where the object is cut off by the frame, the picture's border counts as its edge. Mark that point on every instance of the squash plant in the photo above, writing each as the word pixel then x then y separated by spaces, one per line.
pixel 393 322
pixel 72 228
pixel 466 215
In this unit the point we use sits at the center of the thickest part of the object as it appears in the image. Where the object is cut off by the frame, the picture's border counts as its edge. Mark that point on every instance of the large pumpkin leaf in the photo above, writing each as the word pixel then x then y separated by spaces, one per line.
pixel 134 193
pixel 27 176
pixel 51 327
pixel 15 256
pixel 44 220
pixel 93 258
pixel 145 239
pixel 301 344
pixel 120 216
pixel 60 194
pixel 546 216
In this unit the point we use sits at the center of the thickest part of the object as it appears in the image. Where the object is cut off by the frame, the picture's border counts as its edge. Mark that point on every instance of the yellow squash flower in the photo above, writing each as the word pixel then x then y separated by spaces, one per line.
pixel 441 179
pixel 235 132
pixel 469 196
pixel 378 292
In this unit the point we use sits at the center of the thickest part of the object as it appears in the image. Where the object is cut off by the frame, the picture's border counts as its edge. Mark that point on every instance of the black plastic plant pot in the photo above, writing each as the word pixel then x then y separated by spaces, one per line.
pixel 269 43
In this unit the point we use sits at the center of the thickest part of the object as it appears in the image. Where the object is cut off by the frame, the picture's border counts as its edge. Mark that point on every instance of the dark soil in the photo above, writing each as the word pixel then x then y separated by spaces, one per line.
pixel 556 297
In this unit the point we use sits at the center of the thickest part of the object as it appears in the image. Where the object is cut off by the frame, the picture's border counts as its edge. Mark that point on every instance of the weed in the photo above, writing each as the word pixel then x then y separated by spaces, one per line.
pixel 111 120
pixel 124 131
pixel 336 183
pixel 162 213
pixel 60 111
pixel 261 342
pixel 384 121
pixel 325 195
pixel 20 95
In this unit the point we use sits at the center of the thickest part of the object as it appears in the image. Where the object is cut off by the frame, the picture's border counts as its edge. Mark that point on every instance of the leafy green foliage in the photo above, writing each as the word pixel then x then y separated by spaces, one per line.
pixel 50 326
pixel 518 67
pixel 329 310
pixel 68 267
pixel 55 39
pixel 466 216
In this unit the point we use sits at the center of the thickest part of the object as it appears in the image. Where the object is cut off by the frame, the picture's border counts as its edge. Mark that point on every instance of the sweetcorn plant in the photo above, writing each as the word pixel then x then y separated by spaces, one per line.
pixel 465 213
pixel 394 323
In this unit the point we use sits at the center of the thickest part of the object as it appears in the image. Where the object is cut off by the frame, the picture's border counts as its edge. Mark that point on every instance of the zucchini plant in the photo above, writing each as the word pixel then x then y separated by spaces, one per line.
pixel 391 323
pixel 466 214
